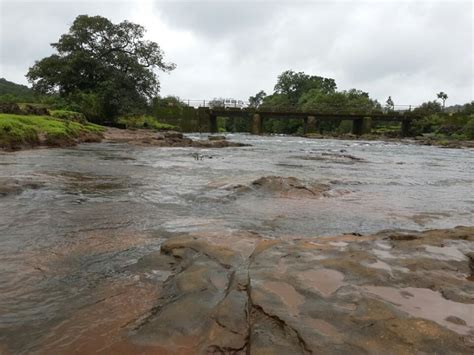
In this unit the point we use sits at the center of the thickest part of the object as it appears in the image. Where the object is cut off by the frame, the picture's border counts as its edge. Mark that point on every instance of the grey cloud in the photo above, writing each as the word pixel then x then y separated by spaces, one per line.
pixel 406 49
pixel 217 19
pixel 28 27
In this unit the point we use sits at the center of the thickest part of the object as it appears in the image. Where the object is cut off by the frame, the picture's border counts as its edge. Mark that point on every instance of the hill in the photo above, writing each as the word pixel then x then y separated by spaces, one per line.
pixel 9 87
pixel 12 91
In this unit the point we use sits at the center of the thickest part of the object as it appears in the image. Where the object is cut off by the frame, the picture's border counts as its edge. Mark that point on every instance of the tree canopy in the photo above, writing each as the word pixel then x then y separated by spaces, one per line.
pixel 294 84
pixel 109 64
pixel 256 101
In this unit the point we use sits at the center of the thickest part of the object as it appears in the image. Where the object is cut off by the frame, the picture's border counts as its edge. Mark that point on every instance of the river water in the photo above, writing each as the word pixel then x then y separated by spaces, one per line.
pixel 92 211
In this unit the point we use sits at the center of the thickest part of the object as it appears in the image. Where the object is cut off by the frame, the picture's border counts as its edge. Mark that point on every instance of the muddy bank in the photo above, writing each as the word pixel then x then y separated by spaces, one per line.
pixel 142 137
pixel 244 293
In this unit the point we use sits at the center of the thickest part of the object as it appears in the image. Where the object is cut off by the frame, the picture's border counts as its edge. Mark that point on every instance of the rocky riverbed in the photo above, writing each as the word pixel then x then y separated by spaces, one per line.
pixel 243 293
pixel 143 137
pixel 284 245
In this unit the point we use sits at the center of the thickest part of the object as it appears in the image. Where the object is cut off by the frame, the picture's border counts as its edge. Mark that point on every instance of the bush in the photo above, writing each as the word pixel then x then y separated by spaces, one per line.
pixel 427 124
pixel 469 128
pixel 68 115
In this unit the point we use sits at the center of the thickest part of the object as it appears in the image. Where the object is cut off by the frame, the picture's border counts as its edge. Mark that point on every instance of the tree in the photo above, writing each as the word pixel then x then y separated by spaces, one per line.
pixel 256 101
pixel 295 84
pixel 443 96
pixel 428 108
pixel 168 101
pixel 110 62
pixel 276 102
pixel 347 101
pixel 389 104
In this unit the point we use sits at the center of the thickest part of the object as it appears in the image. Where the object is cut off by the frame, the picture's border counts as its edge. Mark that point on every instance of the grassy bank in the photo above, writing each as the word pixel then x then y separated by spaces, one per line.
pixel 21 131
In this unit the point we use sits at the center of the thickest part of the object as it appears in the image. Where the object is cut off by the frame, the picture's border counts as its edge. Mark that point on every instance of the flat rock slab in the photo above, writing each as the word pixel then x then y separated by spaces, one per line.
pixel 241 293
pixel 245 294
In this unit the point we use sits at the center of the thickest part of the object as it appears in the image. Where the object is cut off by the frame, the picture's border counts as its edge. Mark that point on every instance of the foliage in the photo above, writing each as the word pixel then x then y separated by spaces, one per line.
pixel 168 101
pixel 111 64
pixel 256 101
pixel 352 101
pixel 345 127
pixel 275 102
pixel 469 128
pixel 297 90
pixel 389 105
pixel 12 92
pixel 447 125
pixel 428 108
pixel 68 115
pixel 443 96
pixel 144 121
pixel 18 130
pixel 468 108
pixel 294 85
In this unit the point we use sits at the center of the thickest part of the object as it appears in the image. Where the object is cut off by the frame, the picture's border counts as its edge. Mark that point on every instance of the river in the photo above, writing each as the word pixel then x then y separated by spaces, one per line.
pixel 92 211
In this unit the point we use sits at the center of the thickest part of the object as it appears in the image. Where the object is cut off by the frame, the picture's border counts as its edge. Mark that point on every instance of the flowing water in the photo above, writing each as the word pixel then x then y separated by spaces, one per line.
pixel 87 213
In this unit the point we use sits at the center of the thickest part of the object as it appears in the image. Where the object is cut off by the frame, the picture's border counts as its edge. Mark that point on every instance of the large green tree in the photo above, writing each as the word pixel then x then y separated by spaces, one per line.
pixel 347 101
pixel 294 84
pixel 98 61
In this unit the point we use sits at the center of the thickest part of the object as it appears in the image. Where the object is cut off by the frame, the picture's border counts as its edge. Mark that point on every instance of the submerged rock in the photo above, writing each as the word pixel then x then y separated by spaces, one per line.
pixel 332 157
pixel 16 187
pixel 143 137
pixel 216 138
pixel 286 187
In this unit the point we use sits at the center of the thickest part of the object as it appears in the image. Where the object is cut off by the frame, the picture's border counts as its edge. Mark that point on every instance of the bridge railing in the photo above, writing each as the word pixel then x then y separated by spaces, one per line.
pixel 320 108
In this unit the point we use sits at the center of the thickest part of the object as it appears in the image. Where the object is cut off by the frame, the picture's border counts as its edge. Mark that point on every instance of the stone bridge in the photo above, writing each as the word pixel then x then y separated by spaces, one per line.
pixel 361 122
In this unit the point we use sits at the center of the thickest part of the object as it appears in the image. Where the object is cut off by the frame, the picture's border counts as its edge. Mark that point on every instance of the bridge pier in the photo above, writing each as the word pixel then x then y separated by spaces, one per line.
pixel 257 124
pixel 361 126
pixel 213 123
pixel 406 128
pixel 310 125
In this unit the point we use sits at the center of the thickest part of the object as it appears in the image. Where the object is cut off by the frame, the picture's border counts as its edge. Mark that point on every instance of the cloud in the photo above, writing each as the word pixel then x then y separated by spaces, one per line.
pixel 407 49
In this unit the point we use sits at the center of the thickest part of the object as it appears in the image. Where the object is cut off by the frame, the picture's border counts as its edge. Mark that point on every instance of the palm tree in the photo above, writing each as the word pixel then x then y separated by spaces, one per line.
pixel 443 96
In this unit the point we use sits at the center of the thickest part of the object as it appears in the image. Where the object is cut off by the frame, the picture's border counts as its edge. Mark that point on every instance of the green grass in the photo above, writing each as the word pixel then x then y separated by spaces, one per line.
pixel 68 115
pixel 17 131
pixel 145 122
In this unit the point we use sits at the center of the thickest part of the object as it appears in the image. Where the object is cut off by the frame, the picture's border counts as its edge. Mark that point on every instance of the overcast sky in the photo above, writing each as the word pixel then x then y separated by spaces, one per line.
pixel 407 49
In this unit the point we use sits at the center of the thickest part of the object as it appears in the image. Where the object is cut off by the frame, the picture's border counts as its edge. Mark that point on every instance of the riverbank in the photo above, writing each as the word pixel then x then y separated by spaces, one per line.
pixel 19 132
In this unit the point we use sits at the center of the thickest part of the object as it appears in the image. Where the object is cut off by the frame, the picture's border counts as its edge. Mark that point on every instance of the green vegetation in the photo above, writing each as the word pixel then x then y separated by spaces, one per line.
pixel 11 92
pixel 300 91
pixel 469 128
pixel 68 115
pixel 105 70
pixel 17 131
pixel 144 122
pixel 106 73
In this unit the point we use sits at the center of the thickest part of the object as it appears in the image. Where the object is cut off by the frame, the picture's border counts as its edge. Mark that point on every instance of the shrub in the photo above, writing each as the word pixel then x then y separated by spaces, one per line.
pixel 68 115
pixel 469 128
